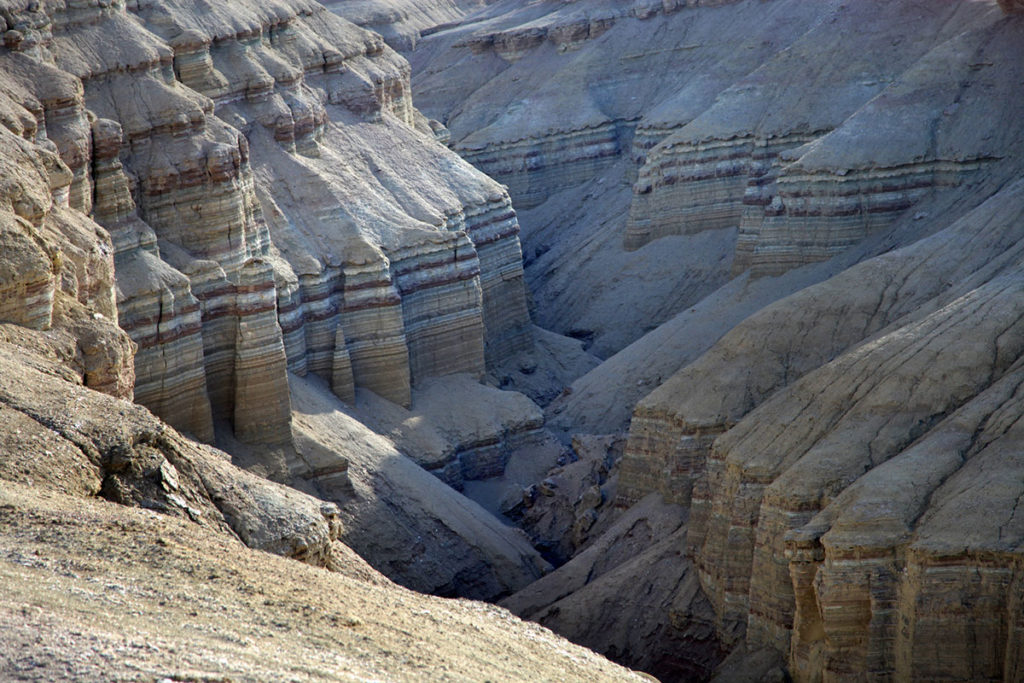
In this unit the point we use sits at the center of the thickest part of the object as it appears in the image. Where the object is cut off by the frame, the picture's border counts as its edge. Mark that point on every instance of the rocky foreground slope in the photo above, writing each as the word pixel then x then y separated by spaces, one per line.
pixel 131 552
pixel 249 194
pixel 233 214
pixel 813 210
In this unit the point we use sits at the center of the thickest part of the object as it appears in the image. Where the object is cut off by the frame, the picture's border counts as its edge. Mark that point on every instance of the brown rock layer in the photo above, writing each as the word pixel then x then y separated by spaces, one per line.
pixel 536 169
pixel 233 114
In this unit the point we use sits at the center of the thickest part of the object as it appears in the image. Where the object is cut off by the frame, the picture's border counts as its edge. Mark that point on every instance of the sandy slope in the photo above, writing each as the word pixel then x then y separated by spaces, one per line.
pixel 95 591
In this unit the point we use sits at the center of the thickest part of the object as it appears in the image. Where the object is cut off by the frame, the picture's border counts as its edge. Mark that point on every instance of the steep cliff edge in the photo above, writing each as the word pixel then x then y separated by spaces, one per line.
pixel 124 541
pixel 798 250
pixel 271 204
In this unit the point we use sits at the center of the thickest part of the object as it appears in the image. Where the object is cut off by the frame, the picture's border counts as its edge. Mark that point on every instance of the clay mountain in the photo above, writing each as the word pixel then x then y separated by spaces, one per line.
pixel 504 340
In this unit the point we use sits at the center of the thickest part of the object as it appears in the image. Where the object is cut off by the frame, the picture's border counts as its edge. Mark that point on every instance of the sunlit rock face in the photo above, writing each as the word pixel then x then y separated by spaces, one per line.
pixel 56 265
pixel 273 202
pixel 799 250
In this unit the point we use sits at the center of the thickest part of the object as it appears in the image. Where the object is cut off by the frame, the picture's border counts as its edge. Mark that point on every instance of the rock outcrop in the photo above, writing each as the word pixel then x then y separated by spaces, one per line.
pixel 729 137
pixel 274 202
pixel 270 201
pixel 737 163
pixel 798 250
pixel 57 271
pixel 847 387
pixel 61 436
pixel 839 385
pixel 162 584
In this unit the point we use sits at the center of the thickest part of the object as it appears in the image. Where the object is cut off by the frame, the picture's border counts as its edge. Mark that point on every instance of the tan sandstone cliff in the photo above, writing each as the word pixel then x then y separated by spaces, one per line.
pixel 266 201
pixel 271 205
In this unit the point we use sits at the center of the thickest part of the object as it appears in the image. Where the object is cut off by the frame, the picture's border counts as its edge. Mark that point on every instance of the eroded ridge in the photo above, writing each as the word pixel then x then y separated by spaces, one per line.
pixel 274 202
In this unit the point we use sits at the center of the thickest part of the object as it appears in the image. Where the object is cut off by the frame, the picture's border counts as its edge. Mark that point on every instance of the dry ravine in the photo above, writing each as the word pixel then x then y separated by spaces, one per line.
pixel 505 340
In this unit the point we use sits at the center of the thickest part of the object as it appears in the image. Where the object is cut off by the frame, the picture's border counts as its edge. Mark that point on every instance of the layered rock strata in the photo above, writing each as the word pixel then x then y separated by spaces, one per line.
pixel 235 116
pixel 547 97
pixel 781 493
pixel 751 530
pixel 833 192
pixel 688 187
pixel 880 138
pixel 561 135
pixel 741 163
pixel 57 272
pixel 857 547
pixel 534 169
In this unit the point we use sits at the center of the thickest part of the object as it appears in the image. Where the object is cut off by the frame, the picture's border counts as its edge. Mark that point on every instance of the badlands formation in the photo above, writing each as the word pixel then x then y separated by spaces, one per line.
pixel 691 331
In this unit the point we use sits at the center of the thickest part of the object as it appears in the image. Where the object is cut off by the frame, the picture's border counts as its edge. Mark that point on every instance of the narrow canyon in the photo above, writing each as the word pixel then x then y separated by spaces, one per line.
pixel 565 340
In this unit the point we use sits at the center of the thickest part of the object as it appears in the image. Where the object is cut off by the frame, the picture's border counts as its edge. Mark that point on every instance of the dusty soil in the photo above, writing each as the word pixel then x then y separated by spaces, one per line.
pixel 95 591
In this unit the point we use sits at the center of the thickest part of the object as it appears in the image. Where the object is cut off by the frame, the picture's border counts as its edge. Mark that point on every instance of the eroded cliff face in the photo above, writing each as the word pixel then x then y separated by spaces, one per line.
pixel 249 194
pixel 930 366
pixel 791 229
pixel 830 396
pixel 271 203
pixel 196 201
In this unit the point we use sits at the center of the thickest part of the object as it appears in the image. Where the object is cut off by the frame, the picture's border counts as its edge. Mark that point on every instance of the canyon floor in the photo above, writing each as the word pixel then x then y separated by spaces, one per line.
pixel 504 340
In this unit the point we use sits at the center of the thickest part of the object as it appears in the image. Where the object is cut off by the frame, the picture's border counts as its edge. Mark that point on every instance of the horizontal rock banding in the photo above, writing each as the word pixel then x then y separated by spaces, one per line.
pixel 536 168
pixel 446 280
pixel 375 336
pixel 565 32
pixel 664 455
pixel 26 296
pixel 829 212
pixel 858 546
pixel 684 188
pixel 359 306
pixel 494 231
pixel 213 305
pixel 163 318
pixel 262 412
pixel 803 536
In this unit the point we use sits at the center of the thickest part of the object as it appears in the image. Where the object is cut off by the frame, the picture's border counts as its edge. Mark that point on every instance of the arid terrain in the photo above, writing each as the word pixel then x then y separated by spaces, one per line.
pixel 507 340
